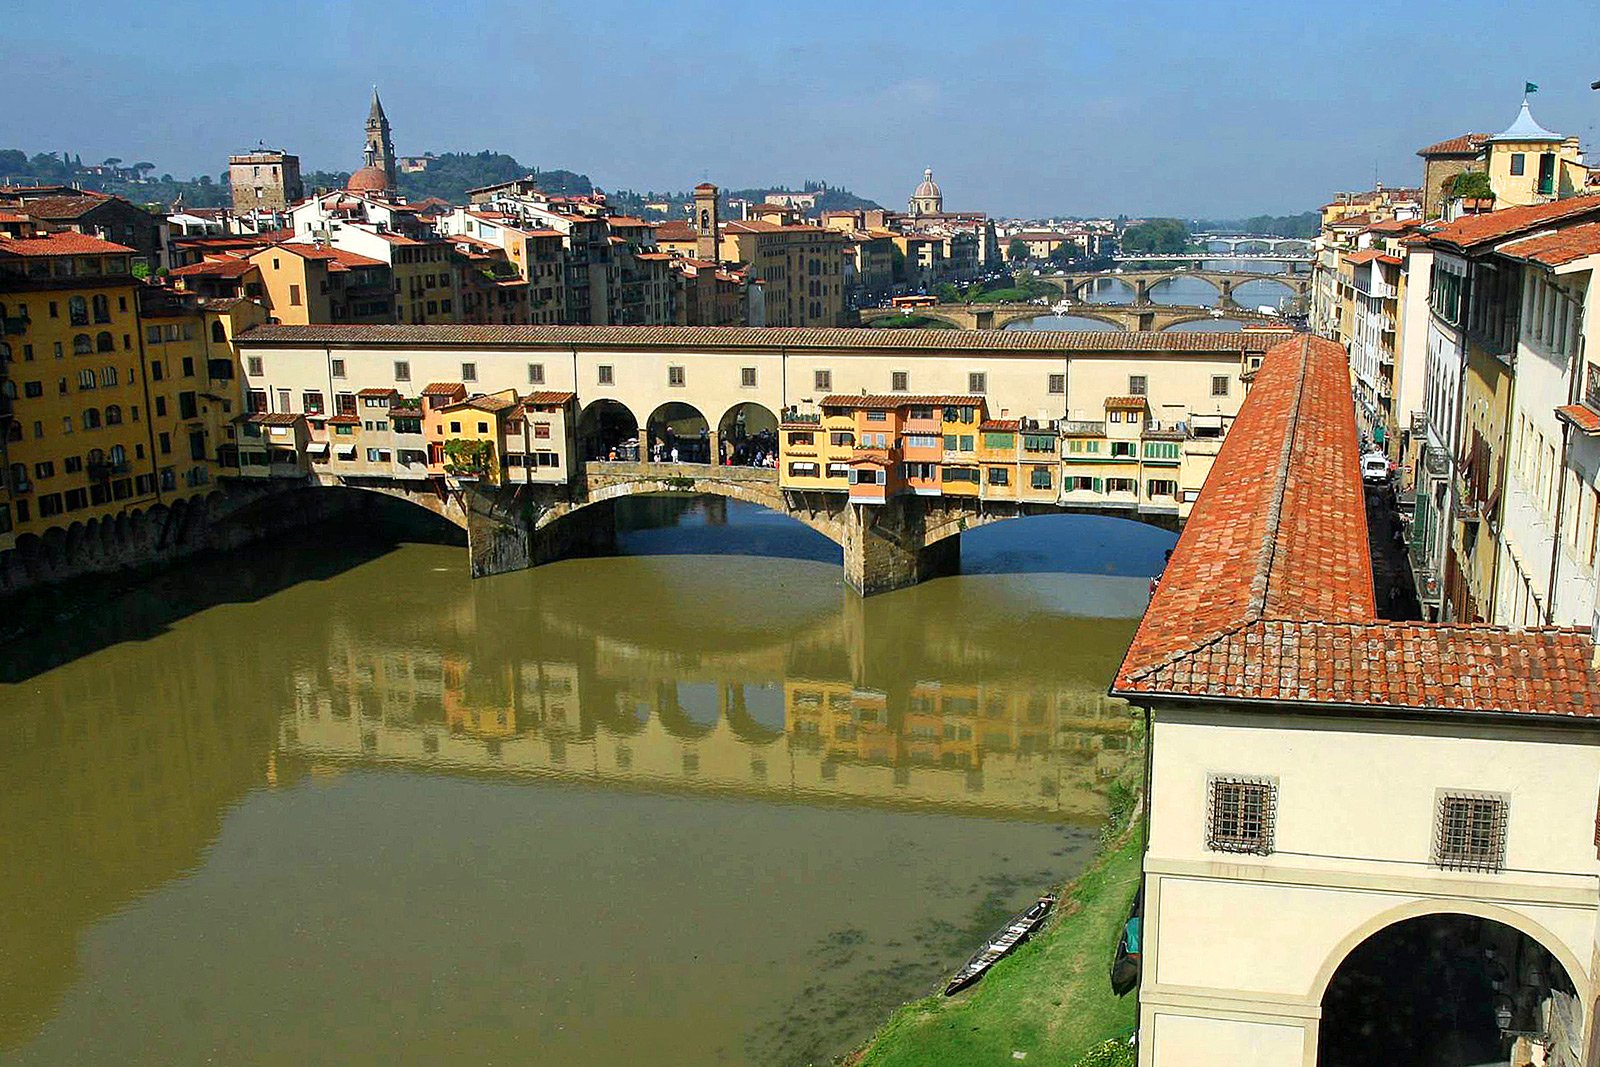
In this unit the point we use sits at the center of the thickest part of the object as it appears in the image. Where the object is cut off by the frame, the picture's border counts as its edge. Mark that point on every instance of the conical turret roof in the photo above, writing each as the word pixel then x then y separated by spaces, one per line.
pixel 1526 129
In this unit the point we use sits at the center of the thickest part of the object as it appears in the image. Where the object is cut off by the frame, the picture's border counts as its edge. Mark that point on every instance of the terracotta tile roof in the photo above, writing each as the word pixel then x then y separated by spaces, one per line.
pixel 1582 417
pixel 675 230
pixel 271 418
pixel 1045 342
pixel 1001 425
pixel 1370 255
pixel 483 402
pixel 1558 248
pixel 1464 145
pixel 1471 230
pixel 60 244
pixel 1394 225
pixel 63 207
pixel 549 398
pixel 898 400
pixel 625 220
pixel 1127 402
pixel 344 420
pixel 222 268
pixel 378 392
pixel 1268 595
pixel 442 388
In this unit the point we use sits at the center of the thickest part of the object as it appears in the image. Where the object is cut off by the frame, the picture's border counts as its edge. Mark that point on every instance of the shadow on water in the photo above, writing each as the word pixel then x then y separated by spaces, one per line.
pixel 1066 544
pixel 671 525
pixel 53 626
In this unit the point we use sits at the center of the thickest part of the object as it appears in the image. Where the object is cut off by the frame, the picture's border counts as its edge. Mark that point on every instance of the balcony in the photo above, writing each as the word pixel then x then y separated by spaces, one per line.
pixel 14 324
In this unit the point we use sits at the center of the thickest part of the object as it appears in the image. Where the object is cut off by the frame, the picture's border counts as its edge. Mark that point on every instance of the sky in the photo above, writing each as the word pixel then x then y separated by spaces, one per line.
pixel 1189 109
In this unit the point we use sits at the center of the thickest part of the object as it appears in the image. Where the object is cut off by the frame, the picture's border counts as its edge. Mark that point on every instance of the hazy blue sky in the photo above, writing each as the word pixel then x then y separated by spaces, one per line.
pixel 1021 108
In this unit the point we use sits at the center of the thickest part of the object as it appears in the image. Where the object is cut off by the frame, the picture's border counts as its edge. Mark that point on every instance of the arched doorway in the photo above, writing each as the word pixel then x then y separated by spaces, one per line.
pixel 1449 990
pixel 747 436
pixel 608 430
pixel 679 434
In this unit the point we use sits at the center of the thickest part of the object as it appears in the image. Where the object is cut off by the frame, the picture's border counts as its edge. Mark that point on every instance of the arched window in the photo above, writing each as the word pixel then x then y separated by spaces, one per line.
pixel 82 345
pixel 78 311
pixel 91 418
pixel 103 342
pixel 218 334
pixel 119 455
pixel 102 309
pixel 113 415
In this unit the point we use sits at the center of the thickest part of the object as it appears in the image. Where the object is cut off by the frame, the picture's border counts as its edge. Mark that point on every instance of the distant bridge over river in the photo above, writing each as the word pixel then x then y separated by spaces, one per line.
pixel 1142 316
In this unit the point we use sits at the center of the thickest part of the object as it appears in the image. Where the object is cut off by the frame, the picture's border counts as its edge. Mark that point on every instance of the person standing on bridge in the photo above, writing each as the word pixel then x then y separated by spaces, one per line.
pixel 674 453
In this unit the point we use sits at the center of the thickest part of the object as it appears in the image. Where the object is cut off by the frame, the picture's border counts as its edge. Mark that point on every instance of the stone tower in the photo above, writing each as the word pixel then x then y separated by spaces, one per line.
pixel 379 152
pixel 705 221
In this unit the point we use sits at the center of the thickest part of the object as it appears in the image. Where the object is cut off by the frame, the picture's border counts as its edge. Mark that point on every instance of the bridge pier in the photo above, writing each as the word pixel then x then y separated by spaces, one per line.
pixel 885 550
pixel 502 534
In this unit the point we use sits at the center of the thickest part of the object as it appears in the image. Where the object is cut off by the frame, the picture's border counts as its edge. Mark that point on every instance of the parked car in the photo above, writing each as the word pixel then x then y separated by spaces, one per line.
pixel 1374 468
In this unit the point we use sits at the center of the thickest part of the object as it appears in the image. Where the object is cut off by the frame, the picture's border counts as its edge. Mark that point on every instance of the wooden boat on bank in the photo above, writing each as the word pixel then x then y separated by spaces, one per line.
pixel 1007 938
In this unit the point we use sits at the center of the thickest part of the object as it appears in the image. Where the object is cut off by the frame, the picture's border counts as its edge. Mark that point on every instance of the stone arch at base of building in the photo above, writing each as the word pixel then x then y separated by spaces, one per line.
pixel 761 494
pixel 1423 907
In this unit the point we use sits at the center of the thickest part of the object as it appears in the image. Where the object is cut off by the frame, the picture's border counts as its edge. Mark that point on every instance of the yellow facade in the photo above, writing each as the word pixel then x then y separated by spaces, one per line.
pixel 79 437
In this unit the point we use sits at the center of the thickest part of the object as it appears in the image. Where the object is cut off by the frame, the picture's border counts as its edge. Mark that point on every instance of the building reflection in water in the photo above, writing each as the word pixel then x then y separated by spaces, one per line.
pixel 789 719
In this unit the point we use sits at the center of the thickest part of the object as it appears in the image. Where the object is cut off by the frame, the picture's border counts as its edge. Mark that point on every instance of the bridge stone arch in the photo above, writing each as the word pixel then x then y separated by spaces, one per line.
pixel 1221 286
pixel 957 520
pixel 1181 320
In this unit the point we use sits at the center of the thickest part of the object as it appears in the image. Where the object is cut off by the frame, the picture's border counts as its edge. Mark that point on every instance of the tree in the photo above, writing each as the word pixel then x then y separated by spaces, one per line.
pixel 1469 185
pixel 111 161
pixel 1063 253
pixel 144 168
pixel 1155 237
pixel 1018 251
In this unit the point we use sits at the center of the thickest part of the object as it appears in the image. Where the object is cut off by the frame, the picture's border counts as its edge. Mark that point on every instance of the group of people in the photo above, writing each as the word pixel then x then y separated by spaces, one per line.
pixel 756 450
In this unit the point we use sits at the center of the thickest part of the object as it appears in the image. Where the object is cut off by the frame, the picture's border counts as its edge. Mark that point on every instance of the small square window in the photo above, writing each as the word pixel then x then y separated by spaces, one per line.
pixel 402 371
pixel 1219 385
pixel 254 366
pixel 675 376
pixel 606 375
pixel 536 374
pixel 899 381
pixel 1057 384
pixel 1240 814
pixel 469 372
pixel 336 368
pixel 747 377
pixel 823 380
pixel 1469 831
pixel 977 382
pixel 1138 385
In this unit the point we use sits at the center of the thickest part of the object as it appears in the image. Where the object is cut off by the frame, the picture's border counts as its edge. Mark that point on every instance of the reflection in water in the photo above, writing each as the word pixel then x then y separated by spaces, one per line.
pixel 650 779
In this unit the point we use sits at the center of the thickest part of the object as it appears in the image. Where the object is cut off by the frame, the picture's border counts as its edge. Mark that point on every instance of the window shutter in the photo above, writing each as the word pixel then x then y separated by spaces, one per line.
pixel 1099 485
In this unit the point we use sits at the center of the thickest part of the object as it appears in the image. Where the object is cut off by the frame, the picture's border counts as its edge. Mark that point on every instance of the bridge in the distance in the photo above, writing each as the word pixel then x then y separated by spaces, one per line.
pixel 1140 316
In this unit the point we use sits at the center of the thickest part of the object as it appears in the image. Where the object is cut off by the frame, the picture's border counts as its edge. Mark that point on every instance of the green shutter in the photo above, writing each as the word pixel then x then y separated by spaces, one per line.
pixel 1099 485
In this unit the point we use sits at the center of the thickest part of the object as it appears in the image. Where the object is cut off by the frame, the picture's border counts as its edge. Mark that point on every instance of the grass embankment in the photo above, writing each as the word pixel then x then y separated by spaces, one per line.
pixel 1051 999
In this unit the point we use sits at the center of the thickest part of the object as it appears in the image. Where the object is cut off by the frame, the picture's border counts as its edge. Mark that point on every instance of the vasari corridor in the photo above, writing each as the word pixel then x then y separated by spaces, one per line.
pixel 912 534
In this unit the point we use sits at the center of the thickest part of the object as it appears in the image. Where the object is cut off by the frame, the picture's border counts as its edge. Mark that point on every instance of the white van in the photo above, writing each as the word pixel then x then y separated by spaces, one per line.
pixel 1374 468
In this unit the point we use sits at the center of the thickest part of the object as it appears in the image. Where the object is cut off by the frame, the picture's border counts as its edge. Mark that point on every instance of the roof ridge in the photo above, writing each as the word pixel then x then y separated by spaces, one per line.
pixel 1260 585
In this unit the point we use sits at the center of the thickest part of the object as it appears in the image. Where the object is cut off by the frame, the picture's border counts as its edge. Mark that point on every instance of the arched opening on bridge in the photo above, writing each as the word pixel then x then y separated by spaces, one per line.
pixel 608 430
pixel 1082 323
pixel 1262 293
pixel 1107 289
pixel 678 433
pixel 680 524
pixel 1449 990
pixel 1186 290
pixel 1125 551
pixel 747 433
pixel 1209 324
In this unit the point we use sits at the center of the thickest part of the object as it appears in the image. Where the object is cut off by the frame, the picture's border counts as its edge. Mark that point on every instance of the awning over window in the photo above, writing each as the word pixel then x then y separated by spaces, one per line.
pixel 346 451
pixel 317 448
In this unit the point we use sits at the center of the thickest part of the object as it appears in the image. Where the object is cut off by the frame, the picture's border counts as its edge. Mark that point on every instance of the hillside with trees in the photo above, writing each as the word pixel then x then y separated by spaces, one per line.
pixel 1305 224
pixel 1155 237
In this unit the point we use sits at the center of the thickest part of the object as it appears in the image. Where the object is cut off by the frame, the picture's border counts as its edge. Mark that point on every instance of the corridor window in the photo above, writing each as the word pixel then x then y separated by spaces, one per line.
pixel 606 375
pixel 536 374
pixel 899 381
pixel 977 382
pixel 1057 384
pixel 1138 385
pixel 469 372
pixel 675 376
pixel 747 377
pixel 1469 832
pixel 1240 813
pixel 824 381
pixel 1219 385
pixel 402 371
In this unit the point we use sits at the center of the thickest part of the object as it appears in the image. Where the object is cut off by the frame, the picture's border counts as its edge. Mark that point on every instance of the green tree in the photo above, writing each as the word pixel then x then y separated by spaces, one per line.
pixel 1469 184
pixel 1155 237
pixel 1018 252
pixel 111 161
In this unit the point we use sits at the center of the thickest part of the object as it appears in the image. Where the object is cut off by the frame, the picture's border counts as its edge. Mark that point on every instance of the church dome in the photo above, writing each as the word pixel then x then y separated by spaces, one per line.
pixel 927 188
pixel 368 180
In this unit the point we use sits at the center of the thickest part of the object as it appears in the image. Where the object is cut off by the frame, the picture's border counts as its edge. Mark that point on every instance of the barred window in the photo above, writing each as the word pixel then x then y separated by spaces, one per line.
pixel 1240 814
pixel 1469 832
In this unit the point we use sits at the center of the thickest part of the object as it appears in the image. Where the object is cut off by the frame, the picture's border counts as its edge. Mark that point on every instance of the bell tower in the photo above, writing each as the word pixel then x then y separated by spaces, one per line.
pixel 705 221
pixel 379 151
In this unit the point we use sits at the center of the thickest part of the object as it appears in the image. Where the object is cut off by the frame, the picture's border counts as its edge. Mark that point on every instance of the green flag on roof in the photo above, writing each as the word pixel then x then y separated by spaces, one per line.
pixel 1529 87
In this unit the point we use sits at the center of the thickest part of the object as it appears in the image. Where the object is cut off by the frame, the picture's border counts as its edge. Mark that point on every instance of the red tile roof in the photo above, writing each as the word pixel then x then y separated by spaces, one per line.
pixel 344 420
pixel 1001 425
pixel 378 392
pixel 61 244
pixel 1127 402
pixel 1583 418
pixel 1471 230
pixel 549 398
pixel 63 207
pixel 223 268
pixel 1558 248
pixel 1268 595
pixel 442 388
pixel 1464 145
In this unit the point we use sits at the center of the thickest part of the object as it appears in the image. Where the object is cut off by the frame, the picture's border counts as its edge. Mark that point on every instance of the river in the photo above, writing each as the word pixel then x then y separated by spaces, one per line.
pixel 1185 292
pixel 332 801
